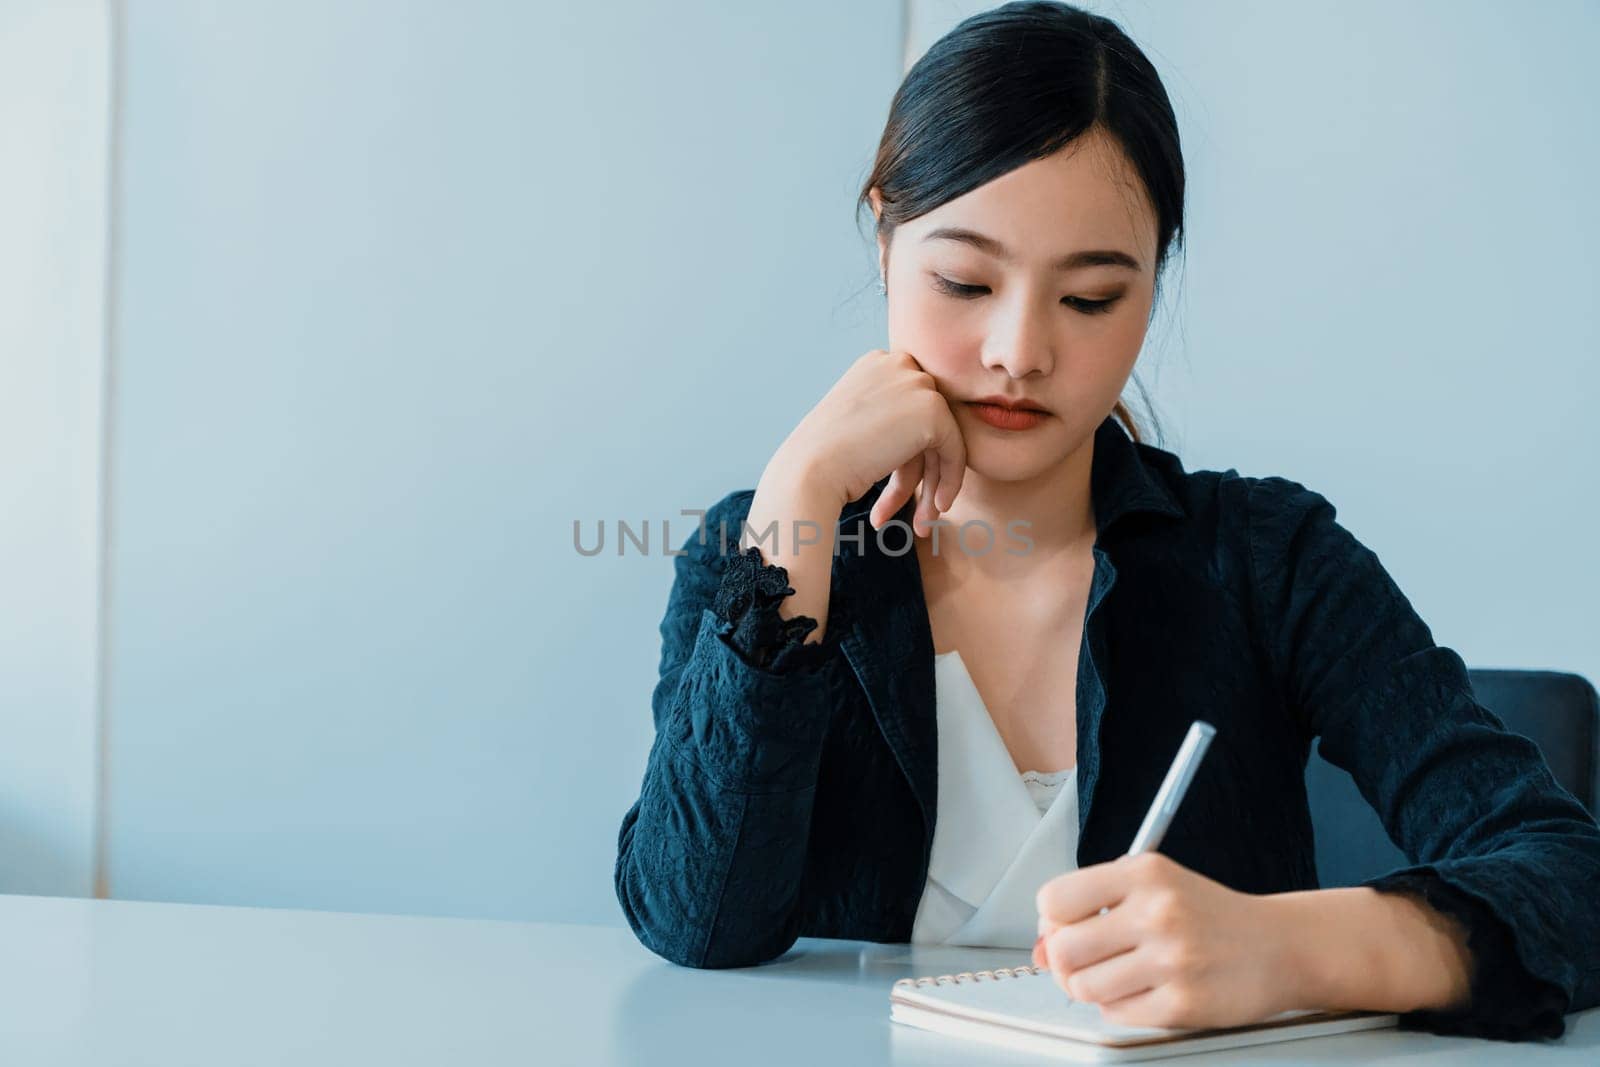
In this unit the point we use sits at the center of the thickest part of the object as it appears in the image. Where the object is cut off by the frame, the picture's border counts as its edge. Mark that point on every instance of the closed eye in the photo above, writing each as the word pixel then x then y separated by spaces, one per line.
pixel 972 292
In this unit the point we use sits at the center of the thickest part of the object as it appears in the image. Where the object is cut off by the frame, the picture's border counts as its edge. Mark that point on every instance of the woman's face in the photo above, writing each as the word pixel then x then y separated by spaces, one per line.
pixel 995 313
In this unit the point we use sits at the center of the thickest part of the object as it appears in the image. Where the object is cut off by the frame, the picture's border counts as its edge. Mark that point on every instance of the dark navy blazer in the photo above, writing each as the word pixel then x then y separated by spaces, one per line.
pixel 790 790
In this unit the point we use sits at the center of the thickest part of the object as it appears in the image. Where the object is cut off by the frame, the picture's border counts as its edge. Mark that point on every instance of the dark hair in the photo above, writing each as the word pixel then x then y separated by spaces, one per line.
pixel 1018 83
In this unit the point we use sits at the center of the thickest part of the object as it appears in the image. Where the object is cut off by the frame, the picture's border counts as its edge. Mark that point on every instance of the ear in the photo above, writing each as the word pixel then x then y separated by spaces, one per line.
pixel 875 198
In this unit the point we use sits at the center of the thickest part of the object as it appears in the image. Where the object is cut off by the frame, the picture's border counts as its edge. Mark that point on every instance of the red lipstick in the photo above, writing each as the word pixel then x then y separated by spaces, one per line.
pixel 1008 413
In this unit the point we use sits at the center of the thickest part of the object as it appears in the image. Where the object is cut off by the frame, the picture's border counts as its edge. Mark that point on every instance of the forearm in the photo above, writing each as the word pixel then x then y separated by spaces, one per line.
pixel 788 507
pixel 1357 948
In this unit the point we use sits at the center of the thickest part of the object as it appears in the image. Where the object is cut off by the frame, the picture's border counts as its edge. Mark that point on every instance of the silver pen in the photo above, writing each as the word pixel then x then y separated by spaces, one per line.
pixel 1173 787
pixel 1168 797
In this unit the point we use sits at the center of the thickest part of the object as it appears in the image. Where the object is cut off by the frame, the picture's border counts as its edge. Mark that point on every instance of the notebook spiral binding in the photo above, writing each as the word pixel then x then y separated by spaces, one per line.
pixel 977 976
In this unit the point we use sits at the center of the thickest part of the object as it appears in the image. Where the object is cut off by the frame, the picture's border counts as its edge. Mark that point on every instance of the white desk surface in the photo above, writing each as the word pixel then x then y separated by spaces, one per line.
pixel 109 983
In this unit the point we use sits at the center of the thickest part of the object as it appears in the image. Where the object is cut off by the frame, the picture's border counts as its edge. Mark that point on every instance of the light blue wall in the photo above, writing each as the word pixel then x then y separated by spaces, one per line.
pixel 407 289
pixel 54 93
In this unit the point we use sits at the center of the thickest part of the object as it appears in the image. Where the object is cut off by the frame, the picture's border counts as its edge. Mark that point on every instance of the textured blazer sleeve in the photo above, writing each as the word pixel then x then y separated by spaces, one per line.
pixel 710 856
pixel 1493 839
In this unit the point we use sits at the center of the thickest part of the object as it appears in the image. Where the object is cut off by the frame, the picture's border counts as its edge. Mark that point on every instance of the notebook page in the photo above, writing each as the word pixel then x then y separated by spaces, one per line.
pixel 1035 1002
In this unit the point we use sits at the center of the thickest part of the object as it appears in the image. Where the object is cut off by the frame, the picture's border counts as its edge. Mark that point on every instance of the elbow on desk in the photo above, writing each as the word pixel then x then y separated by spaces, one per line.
pixel 671 950
pixel 672 915
pixel 689 945
pixel 664 929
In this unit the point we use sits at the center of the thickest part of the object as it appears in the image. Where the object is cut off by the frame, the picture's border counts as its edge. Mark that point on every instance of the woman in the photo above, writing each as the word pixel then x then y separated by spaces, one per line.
pixel 961 751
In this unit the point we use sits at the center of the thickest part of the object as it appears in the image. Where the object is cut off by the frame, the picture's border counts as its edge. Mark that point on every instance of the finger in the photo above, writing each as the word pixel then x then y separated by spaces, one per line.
pixel 951 470
pixel 1087 942
pixel 1113 979
pixel 885 505
pixel 1158 1006
pixel 930 488
pixel 907 475
pixel 898 490
pixel 1079 894
pixel 952 449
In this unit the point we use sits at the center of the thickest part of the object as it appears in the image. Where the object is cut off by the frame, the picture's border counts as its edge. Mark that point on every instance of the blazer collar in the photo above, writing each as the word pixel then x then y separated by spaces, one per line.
pixel 1123 483
pixel 889 643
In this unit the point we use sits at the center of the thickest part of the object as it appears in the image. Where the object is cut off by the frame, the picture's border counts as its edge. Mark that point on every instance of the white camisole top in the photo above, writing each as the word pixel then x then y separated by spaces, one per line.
pixel 998 835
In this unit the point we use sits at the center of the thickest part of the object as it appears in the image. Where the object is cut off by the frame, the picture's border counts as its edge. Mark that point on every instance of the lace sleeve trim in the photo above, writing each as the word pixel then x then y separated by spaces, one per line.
pixel 747 601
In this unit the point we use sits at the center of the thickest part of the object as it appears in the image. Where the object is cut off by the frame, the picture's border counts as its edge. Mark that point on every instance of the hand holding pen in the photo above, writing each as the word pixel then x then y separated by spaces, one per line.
pixel 1156 944
pixel 1158 818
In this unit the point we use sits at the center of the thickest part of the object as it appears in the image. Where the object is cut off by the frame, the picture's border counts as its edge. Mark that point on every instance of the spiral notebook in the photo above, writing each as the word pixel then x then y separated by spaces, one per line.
pixel 1024 1008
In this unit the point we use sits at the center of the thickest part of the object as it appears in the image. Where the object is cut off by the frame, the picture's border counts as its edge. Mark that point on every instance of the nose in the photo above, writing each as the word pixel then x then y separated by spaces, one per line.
pixel 1019 338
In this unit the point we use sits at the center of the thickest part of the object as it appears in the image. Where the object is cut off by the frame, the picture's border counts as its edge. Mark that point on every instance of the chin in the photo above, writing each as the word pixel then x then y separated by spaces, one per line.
pixel 1025 455
pixel 1012 462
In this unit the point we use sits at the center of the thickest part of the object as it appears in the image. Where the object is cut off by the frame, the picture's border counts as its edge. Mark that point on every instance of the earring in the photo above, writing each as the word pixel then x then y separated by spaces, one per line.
pixel 883 286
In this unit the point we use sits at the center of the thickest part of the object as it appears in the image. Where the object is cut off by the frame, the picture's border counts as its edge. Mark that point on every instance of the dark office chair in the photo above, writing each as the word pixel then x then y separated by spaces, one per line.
pixel 1559 712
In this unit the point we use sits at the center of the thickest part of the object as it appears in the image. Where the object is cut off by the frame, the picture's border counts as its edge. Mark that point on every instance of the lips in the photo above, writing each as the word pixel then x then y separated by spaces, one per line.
pixel 1010 403
pixel 1005 418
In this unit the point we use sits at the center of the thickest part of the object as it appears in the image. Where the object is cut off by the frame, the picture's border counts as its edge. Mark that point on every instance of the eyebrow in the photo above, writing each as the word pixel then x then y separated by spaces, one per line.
pixel 1098 257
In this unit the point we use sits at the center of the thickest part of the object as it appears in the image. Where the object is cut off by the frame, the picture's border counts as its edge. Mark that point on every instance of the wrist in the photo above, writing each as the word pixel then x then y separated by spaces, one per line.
pixel 791 517
pixel 1354 948
pixel 1330 955
pixel 1306 976
pixel 804 480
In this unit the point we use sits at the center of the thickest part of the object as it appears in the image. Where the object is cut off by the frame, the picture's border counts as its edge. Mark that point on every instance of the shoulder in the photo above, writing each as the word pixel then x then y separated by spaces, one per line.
pixel 1229 496
pixel 1285 533
pixel 1267 521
